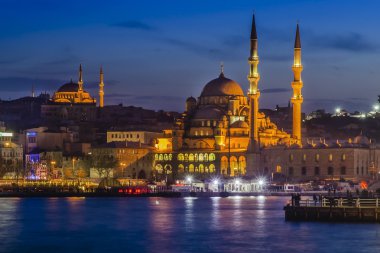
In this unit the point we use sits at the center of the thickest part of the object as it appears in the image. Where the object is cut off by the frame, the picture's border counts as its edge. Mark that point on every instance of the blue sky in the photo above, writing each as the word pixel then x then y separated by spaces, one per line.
pixel 157 53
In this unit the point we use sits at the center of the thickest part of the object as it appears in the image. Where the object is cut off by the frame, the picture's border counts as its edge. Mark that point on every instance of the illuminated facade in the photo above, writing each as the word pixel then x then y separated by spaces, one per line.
pixel 223 133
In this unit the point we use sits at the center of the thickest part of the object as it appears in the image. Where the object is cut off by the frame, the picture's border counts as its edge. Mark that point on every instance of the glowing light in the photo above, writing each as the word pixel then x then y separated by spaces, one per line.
pixel 216 182
pixel 237 181
pixel 2 134
pixel 189 179
pixel 376 107
pixel 337 110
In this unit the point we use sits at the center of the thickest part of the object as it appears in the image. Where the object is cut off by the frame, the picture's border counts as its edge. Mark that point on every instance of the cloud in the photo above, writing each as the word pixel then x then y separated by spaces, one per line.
pixel 351 42
pixel 117 95
pixel 135 25
pixel 276 90
pixel 22 84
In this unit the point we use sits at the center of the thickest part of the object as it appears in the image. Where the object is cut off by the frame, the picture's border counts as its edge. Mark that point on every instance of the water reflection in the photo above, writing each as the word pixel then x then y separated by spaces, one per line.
pixel 241 224
pixel 9 223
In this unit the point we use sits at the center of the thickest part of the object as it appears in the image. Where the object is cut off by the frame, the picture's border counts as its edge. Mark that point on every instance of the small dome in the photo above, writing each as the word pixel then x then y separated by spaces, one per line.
pixel 361 139
pixel 209 113
pixel 69 87
pixel 191 99
pixel 239 124
pixel 222 86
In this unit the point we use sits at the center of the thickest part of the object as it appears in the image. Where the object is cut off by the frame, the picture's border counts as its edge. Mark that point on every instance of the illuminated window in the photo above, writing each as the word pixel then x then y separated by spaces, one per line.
pixel 291 158
pixel 317 157
pixel 191 158
pixel 304 157
pixel 278 169
pixel 166 157
pixel 344 157
pixel 186 157
pixel 181 157
pixel 196 157
pixel 191 168
pixel 201 168
pixel 330 157
pixel 211 157
pixel 200 158
pixel 161 157
pixel 181 168
pixel 212 168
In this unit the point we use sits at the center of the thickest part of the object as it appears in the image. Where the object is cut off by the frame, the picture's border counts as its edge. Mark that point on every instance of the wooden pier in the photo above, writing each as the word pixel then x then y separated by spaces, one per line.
pixel 334 210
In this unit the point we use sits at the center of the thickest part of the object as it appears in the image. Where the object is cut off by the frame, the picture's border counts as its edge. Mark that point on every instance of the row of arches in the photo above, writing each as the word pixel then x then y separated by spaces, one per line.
pixel 237 165
pixel 201 168
pixel 201 157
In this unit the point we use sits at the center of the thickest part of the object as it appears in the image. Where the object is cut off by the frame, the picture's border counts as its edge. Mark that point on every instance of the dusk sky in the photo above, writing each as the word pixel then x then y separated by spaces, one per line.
pixel 157 53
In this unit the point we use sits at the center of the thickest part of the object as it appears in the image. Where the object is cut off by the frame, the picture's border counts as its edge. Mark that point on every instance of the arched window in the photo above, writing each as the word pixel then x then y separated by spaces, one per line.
pixel 196 157
pixel 211 157
pixel 317 157
pixel 186 157
pixel 191 157
pixel 181 168
pixel 156 157
pixel 206 157
pixel 234 166
pixel 191 168
pixel 330 157
pixel 158 168
pixel 343 157
pixel 211 168
pixel 242 165
pixel 291 157
pixel 180 157
pixel 166 158
pixel 200 157
pixel 161 157
pixel 304 157
pixel 201 168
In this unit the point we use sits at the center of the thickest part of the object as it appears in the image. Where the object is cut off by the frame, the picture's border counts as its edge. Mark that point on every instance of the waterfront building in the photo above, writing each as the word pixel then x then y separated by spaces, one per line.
pixel 223 133
pixel 11 155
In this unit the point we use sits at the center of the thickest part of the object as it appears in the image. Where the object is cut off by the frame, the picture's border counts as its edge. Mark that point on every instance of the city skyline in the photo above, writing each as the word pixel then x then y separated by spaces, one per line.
pixel 153 62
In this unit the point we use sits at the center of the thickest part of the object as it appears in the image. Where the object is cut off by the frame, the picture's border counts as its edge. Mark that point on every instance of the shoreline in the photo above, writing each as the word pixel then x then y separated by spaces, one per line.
pixel 142 195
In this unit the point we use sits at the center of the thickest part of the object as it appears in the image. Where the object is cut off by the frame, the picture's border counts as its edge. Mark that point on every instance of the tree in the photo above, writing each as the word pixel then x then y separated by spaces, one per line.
pixel 103 164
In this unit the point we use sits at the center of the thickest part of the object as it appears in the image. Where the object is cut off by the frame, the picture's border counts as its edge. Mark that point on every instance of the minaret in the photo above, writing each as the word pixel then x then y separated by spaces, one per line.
pixel 254 92
pixel 33 93
pixel 297 84
pixel 101 88
pixel 80 81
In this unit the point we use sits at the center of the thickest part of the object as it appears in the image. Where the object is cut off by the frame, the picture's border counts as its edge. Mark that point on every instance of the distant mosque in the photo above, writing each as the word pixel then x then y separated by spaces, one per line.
pixel 71 101
pixel 74 93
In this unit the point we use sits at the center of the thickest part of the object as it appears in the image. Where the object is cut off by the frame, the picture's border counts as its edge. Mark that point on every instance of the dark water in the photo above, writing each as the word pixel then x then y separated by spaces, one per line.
pixel 171 225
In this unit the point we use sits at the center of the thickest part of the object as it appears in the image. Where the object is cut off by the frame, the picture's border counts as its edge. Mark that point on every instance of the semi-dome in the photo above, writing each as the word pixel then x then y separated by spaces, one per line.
pixel 222 86
pixel 209 113
pixel 69 87
pixel 239 124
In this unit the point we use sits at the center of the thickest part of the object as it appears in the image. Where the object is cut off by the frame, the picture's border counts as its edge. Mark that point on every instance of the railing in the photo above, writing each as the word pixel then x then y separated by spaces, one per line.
pixel 338 202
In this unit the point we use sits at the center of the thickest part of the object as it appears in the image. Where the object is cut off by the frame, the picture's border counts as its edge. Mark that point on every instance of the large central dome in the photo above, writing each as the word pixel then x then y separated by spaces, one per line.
pixel 222 86
pixel 69 87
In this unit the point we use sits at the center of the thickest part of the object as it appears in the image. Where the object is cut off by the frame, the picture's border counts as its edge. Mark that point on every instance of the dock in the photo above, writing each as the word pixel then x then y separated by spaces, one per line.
pixel 331 209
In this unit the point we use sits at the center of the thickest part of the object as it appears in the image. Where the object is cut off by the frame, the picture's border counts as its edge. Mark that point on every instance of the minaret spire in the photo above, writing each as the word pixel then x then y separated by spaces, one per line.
pixel 80 80
pixel 297 85
pixel 33 93
pixel 101 88
pixel 254 92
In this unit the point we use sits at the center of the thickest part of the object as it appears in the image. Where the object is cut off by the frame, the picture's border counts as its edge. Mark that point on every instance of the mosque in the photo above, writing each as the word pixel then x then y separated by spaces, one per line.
pixel 71 101
pixel 223 133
